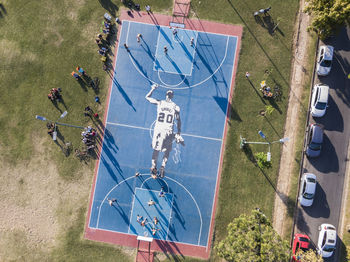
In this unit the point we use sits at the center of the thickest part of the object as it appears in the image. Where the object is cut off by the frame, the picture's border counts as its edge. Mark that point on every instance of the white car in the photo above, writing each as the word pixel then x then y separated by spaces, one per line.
pixel 324 60
pixel 319 100
pixel 327 240
pixel 307 189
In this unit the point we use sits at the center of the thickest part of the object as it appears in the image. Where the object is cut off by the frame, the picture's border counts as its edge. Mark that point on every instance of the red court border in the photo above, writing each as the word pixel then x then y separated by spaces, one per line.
pixel 124 239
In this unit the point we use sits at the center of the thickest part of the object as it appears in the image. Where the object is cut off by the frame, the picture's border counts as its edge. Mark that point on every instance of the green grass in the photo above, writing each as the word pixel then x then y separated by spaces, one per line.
pixel 43 41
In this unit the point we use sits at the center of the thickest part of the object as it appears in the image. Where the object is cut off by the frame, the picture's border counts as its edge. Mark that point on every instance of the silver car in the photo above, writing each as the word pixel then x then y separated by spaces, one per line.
pixel 307 189
pixel 327 240
pixel 324 60
pixel 314 140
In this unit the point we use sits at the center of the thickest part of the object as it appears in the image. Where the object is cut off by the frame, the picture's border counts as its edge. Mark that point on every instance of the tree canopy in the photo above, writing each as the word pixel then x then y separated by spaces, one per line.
pixel 327 15
pixel 309 256
pixel 252 238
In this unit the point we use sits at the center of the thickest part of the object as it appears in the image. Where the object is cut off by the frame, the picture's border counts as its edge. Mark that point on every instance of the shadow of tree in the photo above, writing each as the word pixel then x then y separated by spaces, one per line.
pixel 109 6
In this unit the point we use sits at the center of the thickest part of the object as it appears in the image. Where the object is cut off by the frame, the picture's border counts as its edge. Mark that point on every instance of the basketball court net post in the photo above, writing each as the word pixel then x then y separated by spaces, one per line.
pixel 148 250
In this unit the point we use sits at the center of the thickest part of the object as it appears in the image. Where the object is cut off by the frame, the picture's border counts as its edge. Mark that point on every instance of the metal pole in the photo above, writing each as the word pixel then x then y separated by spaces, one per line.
pixel 64 124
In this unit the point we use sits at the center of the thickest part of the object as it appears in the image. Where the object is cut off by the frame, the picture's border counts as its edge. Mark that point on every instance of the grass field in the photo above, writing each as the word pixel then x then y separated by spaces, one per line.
pixel 45 193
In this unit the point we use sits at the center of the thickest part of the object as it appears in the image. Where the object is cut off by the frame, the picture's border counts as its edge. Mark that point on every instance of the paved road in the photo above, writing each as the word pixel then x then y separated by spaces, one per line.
pixel 331 165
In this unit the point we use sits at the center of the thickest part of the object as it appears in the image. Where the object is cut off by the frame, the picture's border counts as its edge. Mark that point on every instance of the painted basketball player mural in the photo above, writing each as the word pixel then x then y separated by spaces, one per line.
pixel 163 135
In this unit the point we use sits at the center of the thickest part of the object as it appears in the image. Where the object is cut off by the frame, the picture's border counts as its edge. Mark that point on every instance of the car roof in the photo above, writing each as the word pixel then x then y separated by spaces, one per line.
pixel 328 52
pixel 317 134
pixel 324 89
pixel 310 187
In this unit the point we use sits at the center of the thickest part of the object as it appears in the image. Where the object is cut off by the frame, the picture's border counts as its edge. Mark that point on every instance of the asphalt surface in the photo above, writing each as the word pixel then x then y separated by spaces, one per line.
pixel 330 167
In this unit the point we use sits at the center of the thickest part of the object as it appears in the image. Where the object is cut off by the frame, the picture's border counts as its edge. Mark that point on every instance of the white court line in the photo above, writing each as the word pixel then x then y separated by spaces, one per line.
pixel 99 208
pixel 182 134
pixel 132 209
pixel 154 190
pixel 171 212
pixel 195 202
pixel 188 192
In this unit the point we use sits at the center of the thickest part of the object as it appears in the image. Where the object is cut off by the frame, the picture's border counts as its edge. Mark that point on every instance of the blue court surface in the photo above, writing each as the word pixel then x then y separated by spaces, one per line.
pixel 198 68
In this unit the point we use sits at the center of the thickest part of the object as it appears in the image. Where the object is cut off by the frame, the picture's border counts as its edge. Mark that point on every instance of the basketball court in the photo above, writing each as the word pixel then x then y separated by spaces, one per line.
pixel 199 68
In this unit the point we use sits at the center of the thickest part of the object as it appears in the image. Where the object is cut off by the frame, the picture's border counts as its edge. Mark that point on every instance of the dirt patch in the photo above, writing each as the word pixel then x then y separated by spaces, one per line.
pixel 298 76
pixel 36 203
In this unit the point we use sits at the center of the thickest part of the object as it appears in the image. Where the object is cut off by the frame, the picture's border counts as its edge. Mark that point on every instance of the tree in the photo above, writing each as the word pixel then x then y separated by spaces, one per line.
pixel 328 15
pixel 252 238
pixel 309 256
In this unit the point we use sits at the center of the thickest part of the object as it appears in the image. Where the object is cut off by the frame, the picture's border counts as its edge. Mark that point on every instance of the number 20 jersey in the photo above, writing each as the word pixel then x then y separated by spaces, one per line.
pixel 166 112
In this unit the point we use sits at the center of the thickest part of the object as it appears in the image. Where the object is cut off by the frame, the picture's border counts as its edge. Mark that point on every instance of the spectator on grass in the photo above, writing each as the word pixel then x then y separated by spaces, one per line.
pixel 49 96
pixel 81 71
pixel 148 9
pixel 96 116
pixel 88 109
pixel 75 75
pixel 102 51
pixel 106 24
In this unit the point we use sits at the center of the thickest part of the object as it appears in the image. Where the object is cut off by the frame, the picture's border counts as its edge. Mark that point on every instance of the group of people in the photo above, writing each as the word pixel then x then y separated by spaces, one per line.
pixel 54 94
pixel 266 90
pixel 263 11
pixel 51 128
pixel 89 137
pixel 80 73
pixel 143 221
pixel 102 39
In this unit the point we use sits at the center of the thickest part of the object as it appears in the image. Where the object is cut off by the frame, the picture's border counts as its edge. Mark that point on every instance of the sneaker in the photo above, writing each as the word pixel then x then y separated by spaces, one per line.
pixel 153 171
pixel 162 172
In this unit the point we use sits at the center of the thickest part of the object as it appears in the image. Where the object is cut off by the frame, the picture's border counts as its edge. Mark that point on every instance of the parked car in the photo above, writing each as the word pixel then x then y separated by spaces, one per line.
pixel 300 242
pixel 314 140
pixel 327 240
pixel 307 189
pixel 319 100
pixel 324 60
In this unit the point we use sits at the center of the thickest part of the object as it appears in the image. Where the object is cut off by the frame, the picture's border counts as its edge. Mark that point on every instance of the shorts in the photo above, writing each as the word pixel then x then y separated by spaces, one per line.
pixel 163 140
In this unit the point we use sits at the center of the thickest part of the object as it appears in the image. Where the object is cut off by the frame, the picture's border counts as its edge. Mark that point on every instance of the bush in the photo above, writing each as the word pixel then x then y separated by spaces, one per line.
pixel 261 160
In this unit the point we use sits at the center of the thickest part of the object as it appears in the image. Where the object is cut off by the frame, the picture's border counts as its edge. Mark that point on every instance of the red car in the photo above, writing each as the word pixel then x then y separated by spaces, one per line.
pixel 302 242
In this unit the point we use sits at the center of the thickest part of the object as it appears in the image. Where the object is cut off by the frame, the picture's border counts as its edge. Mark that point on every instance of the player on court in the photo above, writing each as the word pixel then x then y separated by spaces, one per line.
pixel 163 135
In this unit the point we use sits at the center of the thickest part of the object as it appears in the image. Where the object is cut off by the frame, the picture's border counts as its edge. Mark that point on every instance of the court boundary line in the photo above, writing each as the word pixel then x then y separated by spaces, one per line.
pixel 199 83
pixel 132 209
pixel 170 218
pixel 125 20
pixel 152 178
pixel 101 235
pixel 147 128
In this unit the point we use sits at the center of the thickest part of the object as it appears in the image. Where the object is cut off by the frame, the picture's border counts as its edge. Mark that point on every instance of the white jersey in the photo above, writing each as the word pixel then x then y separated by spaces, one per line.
pixel 166 114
